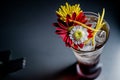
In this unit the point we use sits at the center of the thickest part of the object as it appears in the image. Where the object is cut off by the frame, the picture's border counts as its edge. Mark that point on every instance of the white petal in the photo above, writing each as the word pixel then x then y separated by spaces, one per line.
pixel 75 42
pixel 77 27
pixel 78 42
pixel 87 33
pixel 86 38
pixel 71 37
pixel 82 40
pixel 83 33
pixel 71 32
pixel 81 27
pixel 74 29
pixel 85 29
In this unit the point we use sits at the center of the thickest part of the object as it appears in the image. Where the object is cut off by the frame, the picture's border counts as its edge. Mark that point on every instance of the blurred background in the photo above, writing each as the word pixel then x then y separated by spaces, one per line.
pixel 26 29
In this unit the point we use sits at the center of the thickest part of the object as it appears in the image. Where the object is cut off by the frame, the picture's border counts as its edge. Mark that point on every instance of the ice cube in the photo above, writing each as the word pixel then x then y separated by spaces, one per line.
pixel 88 47
pixel 93 24
pixel 100 37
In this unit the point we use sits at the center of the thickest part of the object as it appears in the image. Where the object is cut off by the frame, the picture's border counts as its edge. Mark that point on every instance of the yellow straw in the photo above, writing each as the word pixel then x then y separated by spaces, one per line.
pixel 99 25
pixel 84 25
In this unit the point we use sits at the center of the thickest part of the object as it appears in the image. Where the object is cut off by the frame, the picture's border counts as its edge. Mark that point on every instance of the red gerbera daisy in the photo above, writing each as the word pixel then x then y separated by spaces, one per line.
pixel 64 27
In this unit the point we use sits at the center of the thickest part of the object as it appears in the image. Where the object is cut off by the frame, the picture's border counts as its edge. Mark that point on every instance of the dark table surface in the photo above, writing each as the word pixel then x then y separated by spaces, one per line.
pixel 26 29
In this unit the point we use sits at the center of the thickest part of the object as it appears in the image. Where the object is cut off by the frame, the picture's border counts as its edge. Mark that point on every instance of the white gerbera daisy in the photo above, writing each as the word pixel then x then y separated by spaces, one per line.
pixel 78 34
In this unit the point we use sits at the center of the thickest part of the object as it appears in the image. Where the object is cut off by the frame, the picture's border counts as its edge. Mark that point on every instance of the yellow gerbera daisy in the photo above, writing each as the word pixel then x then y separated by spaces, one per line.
pixel 68 9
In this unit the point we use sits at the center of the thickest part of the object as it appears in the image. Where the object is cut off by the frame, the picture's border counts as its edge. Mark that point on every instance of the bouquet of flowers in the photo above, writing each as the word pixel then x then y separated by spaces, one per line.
pixel 75 28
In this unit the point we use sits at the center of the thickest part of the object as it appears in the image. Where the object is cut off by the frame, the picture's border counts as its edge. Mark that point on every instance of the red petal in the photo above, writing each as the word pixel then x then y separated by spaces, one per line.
pixel 90 35
pixel 81 45
pixel 60 32
pixel 60 29
pixel 66 40
pixel 55 24
pixel 62 26
pixel 78 18
pixel 89 31
pixel 62 22
pixel 63 36
pixel 71 42
pixel 83 17
pixel 83 20
pixel 73 16
pixel 75 47
pixel 89 25
pixel 67 19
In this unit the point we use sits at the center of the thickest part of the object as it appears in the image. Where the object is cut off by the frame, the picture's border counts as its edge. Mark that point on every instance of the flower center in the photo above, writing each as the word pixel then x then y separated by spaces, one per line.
pixel 78 35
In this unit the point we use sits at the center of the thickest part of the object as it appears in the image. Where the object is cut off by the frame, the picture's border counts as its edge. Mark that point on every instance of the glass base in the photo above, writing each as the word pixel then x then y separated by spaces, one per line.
pixel 92 74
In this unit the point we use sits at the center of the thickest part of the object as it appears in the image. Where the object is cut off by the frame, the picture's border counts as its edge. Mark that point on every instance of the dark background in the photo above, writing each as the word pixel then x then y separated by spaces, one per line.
pixel 26 29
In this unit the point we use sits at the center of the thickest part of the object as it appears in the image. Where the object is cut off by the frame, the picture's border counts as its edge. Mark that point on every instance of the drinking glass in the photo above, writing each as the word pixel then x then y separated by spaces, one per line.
pixel 88 65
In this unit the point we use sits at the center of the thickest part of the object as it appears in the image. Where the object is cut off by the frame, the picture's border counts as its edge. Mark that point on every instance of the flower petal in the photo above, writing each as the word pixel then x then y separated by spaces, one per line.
pixel 63 36
pixel 60 29
pixel 73 16
pixel 78 18
pixel 69 41
pixel 60 21
pixel 66 40
pixel 59 33
pixel 89 25
pixel 62 26
pixel 90 35
pixel 83 20
pixel 67 18
pixel 81 45
pixel 75 47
